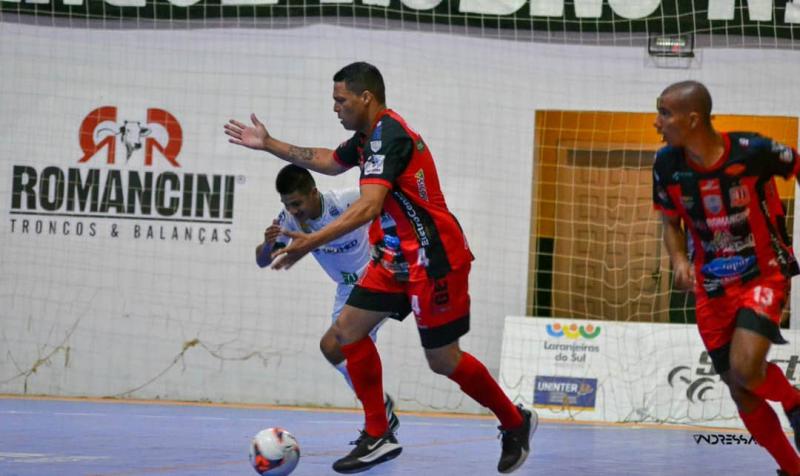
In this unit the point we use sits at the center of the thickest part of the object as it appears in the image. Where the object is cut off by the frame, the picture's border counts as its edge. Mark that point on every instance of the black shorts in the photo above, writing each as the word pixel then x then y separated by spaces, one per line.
pixel 398 307
pixel 746 319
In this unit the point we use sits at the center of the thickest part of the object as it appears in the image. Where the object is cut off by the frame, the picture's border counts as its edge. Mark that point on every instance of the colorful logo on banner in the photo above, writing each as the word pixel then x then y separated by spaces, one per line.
pixel 565 392
pixel 573 331
pixel 128 183
pixel 571 343
pixel 100 129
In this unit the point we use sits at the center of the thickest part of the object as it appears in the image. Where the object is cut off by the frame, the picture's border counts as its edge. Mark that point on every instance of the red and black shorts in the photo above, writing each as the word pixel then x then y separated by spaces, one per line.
pixel 440 306
pixel 756 305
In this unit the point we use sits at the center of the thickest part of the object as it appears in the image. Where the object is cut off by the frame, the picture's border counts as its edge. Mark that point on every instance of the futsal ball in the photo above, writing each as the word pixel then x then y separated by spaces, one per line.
pixel 274 452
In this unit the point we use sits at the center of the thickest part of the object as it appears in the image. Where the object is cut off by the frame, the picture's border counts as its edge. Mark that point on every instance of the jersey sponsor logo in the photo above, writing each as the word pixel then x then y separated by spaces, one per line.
pixel 414 218
pixel 374 164
pixel 725 243
pixel 349 278
pixel 682 175
pixel 709 185
pixel 375 145
pixel 713 203
pixel 337 249
pixel 334 211
pixel 728 267
pixel 421 188
pixel 679 176
pixel 740 196
pixel 387 221
pixel 723 222
pixel 734 170
pixel 744 142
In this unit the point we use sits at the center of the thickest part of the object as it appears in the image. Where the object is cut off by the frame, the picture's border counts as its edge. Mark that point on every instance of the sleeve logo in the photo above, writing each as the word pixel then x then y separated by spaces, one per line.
pixel 374 165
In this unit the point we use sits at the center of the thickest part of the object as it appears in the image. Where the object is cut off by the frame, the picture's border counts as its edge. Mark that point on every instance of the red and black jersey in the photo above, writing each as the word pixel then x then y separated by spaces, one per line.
pixel 396 157
pixel 731 210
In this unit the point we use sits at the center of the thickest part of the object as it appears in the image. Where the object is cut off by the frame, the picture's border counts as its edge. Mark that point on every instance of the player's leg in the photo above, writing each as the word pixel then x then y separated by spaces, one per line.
pixel 747 352
pixel 333 353
pixel 749 347
pixel 352 330
pixel 739 357
pixel 377 443
pixel 328 344
pixel 375 297
pixel 517 424
pixel 442 310
pixel 758 325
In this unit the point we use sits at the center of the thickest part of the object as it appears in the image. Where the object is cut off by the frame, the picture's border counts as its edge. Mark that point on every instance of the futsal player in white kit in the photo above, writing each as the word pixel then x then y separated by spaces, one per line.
pixel 344 259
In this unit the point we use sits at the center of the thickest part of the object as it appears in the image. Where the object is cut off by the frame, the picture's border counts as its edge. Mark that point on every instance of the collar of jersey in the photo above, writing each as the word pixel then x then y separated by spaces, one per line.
pixel 716 165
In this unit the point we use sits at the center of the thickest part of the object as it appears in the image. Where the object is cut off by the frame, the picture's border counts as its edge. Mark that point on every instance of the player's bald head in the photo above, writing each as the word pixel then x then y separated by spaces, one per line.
pixel 690 96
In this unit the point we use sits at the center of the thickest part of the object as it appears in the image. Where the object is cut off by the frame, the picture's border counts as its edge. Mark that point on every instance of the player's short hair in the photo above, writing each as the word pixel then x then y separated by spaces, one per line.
pixel 695 95
pixel 293 179
pixel 360 77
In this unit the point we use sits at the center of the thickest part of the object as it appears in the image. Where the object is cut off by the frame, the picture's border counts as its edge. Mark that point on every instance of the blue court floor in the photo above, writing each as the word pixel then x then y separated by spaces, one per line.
pixel 55 437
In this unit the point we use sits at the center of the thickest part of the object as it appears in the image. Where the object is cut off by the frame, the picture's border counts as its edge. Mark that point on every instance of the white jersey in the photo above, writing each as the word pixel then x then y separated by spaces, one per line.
pixel 345 257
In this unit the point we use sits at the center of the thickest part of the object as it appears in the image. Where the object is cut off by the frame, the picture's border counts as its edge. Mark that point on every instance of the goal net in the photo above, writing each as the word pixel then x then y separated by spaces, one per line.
pixel 131 222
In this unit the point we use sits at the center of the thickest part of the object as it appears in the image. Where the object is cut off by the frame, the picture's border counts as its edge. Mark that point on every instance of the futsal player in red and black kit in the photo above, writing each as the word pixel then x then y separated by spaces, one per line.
pixel 421 261
pixel 720 188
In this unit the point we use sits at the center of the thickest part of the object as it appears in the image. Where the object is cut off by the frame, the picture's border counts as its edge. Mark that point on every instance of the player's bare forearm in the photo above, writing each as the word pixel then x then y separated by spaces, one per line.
pixel 362 211
pixel 313 158
pixel 674 239
pixel 357 214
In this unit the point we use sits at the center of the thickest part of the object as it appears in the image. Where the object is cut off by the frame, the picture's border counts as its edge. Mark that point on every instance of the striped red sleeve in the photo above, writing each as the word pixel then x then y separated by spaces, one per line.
pixel 376 181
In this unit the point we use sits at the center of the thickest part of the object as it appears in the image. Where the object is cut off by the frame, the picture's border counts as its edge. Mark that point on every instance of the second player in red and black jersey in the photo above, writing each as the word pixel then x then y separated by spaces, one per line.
pixel 731 209
pixel 717 192
pixel 396 157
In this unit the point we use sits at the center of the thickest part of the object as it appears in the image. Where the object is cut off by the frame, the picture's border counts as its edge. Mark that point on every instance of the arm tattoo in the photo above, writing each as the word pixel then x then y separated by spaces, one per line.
pixel 301 153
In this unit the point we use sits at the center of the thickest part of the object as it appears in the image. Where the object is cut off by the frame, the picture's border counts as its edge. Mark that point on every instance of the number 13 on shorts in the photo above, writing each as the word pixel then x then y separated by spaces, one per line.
pixel 763 295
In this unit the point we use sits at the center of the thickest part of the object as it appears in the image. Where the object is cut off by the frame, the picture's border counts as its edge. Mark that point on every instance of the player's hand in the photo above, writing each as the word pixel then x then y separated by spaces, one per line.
pixel 301 244
pixel 254 137
pixel 683 276
pixel 272 233
pixel 286 260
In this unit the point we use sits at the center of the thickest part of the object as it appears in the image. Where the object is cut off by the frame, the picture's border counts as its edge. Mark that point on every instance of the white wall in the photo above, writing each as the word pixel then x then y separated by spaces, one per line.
pixel 110 316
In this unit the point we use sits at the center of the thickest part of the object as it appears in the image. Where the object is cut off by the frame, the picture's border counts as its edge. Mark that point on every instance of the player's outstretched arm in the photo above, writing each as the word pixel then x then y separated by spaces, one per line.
pixel 365 209
pixel 258 137
pixel 675 242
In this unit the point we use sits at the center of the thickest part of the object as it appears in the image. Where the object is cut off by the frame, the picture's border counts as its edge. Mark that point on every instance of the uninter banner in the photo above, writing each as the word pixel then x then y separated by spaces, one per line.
pixel 622 372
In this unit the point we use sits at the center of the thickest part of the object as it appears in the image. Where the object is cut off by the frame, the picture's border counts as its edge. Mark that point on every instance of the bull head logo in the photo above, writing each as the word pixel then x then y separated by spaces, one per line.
pixel 100 129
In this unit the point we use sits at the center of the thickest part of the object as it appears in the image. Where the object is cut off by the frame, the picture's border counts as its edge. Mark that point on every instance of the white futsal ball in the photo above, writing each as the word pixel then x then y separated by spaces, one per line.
pixel 274 452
